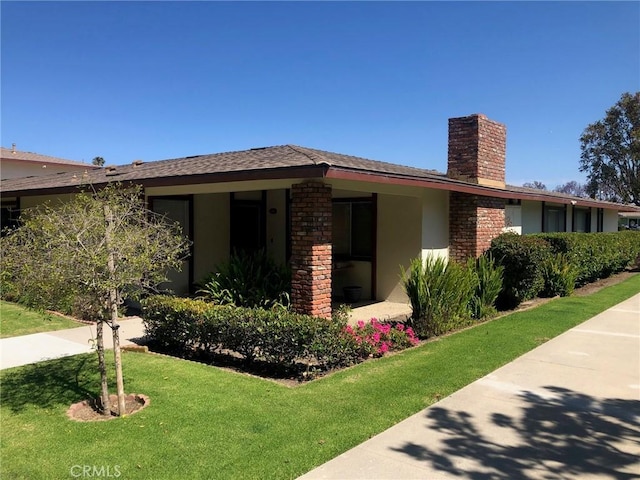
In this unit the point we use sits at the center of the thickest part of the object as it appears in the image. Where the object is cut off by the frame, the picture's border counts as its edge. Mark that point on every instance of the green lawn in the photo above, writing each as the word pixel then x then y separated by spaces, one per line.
pixel 206 423
pixel 16 320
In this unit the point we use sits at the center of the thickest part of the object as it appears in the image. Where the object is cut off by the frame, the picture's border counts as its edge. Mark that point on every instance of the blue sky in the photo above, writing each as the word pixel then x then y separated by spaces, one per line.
pixel 156 80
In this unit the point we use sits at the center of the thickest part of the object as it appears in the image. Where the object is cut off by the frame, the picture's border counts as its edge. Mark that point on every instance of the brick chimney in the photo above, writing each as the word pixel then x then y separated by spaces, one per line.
pixel 477 150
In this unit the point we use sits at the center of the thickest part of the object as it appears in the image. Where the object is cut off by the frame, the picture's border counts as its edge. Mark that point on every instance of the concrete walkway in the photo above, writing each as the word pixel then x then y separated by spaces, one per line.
pixel 570 409
pixel 37 347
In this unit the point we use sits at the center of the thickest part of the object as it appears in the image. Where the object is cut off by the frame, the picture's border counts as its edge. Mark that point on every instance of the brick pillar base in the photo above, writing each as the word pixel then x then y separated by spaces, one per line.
pixel 311 249
pixel 473 222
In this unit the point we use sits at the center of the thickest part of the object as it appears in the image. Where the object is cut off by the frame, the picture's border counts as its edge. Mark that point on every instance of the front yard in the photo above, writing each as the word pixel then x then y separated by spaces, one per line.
pixel 205 422
pixel 16 320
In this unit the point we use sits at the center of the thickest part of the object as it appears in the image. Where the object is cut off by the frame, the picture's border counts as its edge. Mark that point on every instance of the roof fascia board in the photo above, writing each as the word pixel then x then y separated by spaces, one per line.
pixel 456 186
pixel 310 172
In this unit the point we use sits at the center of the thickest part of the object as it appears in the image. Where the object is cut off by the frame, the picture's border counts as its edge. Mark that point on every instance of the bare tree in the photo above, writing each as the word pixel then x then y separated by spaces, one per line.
pixel 536 184
pixel 572 188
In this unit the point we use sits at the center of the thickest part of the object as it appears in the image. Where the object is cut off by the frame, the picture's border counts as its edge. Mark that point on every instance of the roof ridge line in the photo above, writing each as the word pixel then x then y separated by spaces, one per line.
pixel 316 159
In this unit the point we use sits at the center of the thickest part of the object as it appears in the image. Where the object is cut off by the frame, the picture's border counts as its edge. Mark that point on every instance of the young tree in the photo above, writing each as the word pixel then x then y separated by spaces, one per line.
pixel 100 247
pixel 98 161
pixel 611 152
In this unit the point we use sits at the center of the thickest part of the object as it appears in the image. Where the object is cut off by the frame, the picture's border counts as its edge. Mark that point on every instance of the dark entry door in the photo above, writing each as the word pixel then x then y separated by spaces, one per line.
pixel 248 225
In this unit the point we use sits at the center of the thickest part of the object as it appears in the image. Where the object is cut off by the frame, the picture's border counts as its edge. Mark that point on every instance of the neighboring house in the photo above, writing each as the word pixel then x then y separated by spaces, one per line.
pixel 17 164
pixel 340 220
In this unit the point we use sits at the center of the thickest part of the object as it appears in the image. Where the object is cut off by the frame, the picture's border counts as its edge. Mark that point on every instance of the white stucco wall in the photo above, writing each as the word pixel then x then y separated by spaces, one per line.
pixel 610 221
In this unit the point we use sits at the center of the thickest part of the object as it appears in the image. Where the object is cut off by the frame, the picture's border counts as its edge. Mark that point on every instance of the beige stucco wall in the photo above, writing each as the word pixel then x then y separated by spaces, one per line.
pixel 435 223
pixel 277 225
pixel 399 241
pixel 34 201
pixel 210 232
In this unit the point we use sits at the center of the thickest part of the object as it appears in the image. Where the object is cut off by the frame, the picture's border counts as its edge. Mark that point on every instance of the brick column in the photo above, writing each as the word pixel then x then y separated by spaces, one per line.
pixel 311 248
pixel 473 222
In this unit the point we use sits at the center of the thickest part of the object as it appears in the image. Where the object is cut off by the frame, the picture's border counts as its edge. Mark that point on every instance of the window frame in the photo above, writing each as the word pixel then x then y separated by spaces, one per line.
pixel 350 256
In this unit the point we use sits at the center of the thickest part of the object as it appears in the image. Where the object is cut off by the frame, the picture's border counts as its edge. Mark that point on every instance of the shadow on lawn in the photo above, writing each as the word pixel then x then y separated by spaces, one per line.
pixel 57 382
pixel 563 435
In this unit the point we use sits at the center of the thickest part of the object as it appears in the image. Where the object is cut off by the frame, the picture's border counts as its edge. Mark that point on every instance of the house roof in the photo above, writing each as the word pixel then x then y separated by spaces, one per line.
pixel 278 162
pixel 13 154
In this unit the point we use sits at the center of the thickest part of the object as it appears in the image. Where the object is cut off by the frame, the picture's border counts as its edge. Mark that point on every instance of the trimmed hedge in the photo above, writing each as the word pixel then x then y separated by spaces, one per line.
pixel 595 255
pixel 549 262
pixel 276 336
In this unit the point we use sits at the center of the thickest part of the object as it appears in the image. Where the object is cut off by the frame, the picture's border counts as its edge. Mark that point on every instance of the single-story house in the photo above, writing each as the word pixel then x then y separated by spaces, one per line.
pixel 339 220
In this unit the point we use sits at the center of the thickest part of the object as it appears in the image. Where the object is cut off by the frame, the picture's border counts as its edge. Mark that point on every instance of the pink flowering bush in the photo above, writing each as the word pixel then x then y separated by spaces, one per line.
pixel 375 339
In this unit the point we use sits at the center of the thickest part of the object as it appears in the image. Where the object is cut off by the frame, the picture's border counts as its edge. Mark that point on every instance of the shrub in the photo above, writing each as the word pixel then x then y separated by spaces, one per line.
pixel 173 322
pixel 275 336
pixel 248 280
pixel 522 257
pixel 489 284
pixel 559 276
pixel 375 339
pixel 596 255
pixel 440 293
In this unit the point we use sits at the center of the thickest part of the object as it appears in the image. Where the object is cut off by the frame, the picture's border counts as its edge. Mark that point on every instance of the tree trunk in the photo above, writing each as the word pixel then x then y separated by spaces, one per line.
pixel 104 391
pixel 113 308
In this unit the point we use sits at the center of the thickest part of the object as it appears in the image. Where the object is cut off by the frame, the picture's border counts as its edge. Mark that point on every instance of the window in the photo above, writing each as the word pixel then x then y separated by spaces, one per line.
pixel 581 220
pixel 554 218
pixel 353 229
pixel 9 214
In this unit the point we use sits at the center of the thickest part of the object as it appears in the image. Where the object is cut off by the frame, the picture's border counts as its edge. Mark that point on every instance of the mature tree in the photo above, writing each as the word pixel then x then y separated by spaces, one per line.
pixel 536 184
pixel 572 188
pixel 100 247
pixel 99 161
pixel 611 152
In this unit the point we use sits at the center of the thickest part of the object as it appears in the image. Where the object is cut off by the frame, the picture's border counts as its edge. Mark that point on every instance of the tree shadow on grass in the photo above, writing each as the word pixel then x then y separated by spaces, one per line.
pixel 562 434
pixel 56 382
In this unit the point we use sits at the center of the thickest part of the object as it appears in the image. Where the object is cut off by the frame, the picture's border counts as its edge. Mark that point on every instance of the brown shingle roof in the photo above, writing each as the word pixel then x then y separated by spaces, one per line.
pixel 11 154
pixel 285 161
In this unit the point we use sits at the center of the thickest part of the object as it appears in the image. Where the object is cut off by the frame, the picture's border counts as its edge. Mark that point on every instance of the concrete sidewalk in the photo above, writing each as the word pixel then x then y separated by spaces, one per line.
pixel 37 347
pixel 568 409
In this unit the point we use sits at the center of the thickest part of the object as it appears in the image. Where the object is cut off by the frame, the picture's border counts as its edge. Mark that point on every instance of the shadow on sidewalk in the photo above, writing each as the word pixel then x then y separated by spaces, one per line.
pixel 566 434
pixel 61 381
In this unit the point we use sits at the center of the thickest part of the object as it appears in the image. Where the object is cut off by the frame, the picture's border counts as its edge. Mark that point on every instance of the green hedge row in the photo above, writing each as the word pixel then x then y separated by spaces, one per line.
pixel 533 263
pixel 276 336
pixel 595 255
